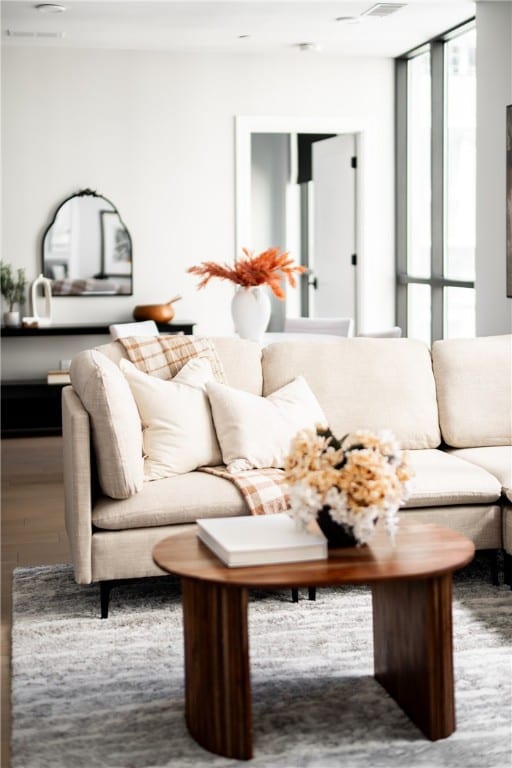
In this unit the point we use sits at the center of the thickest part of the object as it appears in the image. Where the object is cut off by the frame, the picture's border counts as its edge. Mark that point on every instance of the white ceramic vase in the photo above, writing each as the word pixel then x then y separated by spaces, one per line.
pixel 46 285
pixel 250 309
pixel 12 319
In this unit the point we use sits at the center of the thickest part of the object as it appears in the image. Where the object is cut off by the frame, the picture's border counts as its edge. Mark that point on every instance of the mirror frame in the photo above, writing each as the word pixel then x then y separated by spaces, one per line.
pixel 89 193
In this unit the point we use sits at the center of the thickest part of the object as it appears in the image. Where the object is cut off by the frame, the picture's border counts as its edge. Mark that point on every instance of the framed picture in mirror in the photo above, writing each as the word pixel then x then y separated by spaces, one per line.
pixel 116 252
pixel 509 201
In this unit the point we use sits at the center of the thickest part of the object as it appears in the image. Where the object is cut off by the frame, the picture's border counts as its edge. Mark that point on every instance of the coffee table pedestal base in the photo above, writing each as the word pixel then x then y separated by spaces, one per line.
pixel 217 676
pixel 413 656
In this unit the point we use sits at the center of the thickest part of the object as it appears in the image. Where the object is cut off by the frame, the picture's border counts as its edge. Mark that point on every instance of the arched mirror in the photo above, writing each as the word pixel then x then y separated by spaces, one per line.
pixel 87 249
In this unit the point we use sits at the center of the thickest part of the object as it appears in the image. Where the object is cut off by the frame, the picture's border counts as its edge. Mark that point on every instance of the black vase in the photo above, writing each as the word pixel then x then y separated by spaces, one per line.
pixel 337 535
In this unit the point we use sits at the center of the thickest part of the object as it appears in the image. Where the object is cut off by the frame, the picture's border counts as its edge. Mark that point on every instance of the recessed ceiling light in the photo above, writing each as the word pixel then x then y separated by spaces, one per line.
pixel 50 8
pixel 348 19
pixel 308 47
pixel 243 37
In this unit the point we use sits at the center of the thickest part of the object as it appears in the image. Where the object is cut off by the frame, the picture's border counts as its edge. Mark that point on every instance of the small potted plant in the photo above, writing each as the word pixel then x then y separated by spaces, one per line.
pixel 13 290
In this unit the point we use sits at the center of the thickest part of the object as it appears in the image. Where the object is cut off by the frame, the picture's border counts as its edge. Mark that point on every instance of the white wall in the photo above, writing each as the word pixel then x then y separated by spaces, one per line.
pixel 494 92
pixel 154 132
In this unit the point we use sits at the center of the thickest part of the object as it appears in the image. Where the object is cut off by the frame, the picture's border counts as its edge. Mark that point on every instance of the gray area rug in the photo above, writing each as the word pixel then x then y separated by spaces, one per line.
pixel 110 693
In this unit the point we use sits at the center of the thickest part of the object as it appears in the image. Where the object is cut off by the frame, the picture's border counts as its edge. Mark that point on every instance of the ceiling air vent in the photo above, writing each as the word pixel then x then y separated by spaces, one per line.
pixel 18 33
pixel 381 10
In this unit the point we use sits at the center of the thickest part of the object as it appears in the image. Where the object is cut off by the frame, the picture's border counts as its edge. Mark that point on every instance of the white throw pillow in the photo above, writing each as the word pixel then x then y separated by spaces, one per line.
pixel 178 432
pixel 256 432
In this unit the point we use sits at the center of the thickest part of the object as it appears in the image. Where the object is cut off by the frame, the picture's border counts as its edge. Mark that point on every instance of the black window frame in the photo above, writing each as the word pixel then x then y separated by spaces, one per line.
pixel 437 280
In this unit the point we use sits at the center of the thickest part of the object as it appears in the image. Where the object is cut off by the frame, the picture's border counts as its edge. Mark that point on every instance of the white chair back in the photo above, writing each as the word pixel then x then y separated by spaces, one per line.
pixel 335 326
pixel 390 333
pixel 142 328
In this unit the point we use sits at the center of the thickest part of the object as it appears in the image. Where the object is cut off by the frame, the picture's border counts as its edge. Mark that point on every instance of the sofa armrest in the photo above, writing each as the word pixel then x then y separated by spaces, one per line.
pixel 77 483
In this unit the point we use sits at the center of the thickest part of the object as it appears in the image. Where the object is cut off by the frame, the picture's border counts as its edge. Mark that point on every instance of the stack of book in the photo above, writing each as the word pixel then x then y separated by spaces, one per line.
pixel 260 540
pixel 58 377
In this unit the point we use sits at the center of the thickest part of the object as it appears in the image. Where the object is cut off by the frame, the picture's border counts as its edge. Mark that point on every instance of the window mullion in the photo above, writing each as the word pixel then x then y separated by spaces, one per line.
pixel 401 190
pixel 437 203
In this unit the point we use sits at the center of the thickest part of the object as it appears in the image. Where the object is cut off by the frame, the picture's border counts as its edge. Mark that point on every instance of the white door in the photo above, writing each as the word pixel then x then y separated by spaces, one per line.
pixel 332 242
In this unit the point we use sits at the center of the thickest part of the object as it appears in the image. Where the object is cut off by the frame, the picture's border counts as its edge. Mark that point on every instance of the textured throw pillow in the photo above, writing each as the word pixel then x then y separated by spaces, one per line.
pixel 178 432
pixel 256 432
pixel 165 356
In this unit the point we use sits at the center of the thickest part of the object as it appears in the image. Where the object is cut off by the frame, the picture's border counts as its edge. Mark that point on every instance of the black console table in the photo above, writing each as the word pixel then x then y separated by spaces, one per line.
pixel 32 407
pixel 89 329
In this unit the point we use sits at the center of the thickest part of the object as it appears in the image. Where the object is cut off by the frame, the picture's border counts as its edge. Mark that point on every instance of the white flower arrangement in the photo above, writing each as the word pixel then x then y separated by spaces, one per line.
pixel 358 479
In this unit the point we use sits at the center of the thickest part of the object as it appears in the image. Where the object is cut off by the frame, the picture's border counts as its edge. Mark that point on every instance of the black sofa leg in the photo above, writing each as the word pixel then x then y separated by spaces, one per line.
pixel 495 567
pixel 507 569
pixel 495 559
pixel 105 588
pixel 311 594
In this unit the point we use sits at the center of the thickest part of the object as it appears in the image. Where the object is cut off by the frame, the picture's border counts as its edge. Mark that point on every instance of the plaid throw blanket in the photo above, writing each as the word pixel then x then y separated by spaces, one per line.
pixel 262 489
pixel 164 356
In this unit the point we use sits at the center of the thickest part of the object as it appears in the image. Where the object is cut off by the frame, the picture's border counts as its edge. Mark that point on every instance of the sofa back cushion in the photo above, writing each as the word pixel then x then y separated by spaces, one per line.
pixel 474 390
pixel 115 422
pixel 363 383
pixel 241 360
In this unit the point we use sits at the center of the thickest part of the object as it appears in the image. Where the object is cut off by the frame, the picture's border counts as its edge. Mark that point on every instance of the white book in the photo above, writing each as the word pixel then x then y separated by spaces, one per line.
pixel 260 539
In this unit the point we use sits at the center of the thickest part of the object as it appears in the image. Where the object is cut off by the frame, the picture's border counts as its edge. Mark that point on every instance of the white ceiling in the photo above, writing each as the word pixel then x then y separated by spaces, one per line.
pixel 276 26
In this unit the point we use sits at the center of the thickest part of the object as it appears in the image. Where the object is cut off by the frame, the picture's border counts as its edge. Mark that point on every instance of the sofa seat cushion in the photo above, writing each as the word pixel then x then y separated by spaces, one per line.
pixel 479 522
pixel 374 384
pixel 178 499
pixel 441 479
pixel 496 459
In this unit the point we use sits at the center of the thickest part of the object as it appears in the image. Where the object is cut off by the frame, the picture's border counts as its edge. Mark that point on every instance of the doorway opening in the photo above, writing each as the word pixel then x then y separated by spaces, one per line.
pixel 301 194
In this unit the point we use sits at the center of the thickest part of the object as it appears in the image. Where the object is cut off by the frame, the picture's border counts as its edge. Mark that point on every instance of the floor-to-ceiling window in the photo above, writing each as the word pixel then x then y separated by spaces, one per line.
pixel 436 148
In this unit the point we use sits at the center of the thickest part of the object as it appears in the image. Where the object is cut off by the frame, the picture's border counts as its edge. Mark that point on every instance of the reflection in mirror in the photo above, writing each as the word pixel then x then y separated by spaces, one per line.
pixel 87 249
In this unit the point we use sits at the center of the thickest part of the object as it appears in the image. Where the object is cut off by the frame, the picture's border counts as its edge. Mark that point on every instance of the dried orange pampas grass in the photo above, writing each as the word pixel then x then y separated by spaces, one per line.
pixel 267 268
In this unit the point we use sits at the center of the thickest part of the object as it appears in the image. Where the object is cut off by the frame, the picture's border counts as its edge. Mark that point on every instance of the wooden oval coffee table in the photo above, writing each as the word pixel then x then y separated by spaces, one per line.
pixel 411 585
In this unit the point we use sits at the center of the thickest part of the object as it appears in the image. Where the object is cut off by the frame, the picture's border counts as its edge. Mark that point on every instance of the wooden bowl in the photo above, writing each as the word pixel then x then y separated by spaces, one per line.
pixel 160 313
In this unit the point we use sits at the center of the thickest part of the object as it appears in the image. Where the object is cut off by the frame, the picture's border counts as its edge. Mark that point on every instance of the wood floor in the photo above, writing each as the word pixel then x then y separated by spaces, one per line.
pixel 33 533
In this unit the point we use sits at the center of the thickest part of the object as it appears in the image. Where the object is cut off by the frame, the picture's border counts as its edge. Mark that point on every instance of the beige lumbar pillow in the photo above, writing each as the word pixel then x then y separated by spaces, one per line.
pixel 256 432
pixel 178 432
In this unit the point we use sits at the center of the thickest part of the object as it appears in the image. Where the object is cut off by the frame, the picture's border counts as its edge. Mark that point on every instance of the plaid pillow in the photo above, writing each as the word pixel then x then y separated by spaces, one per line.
pixel 164 356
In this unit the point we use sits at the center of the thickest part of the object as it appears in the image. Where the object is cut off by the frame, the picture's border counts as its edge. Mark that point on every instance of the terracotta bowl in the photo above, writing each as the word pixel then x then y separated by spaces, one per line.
pixel 160 313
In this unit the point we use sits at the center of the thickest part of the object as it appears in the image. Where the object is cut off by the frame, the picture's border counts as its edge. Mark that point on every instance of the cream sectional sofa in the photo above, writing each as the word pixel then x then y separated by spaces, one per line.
pixel 450 408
